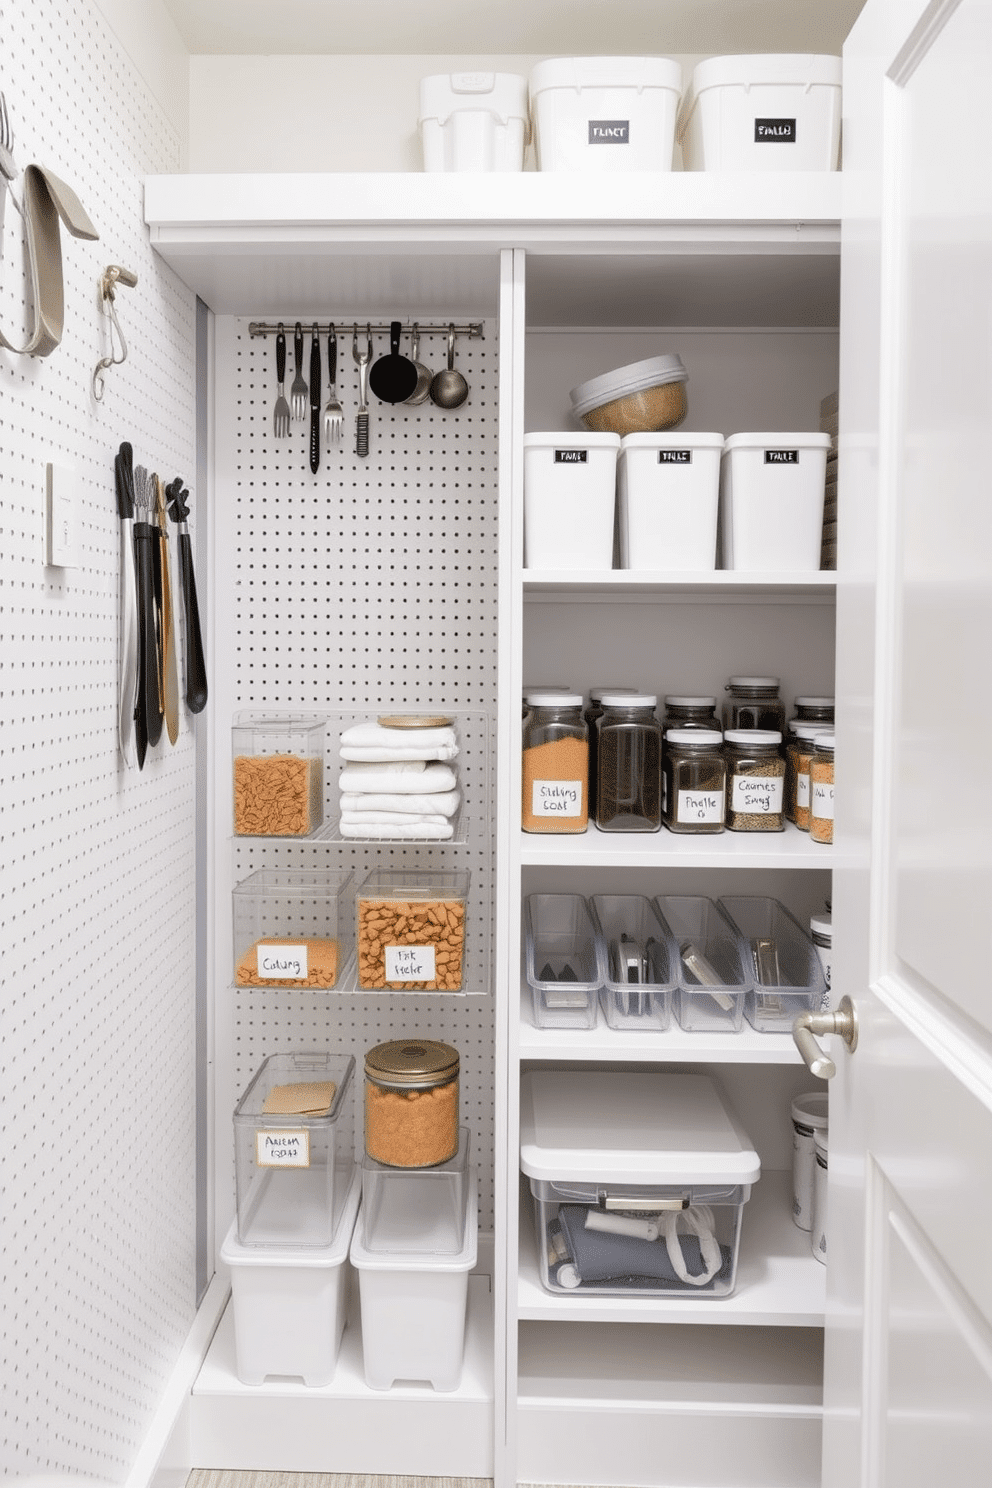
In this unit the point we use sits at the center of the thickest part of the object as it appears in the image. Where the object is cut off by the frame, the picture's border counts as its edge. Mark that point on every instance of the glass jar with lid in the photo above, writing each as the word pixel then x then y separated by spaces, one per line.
pixel 685 712
pixel 821 789
pixel 814 710
pixel 754 703
pixel 594 711
pixel 798 753
pixel 555 764
pixel 531 687
pixel 821 930
pixel 411 1103
pixel 628 758
pixel 755 780
pixel 694 776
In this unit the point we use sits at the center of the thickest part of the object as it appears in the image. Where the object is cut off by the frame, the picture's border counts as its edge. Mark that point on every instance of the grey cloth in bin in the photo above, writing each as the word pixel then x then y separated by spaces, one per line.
pixel 627 1261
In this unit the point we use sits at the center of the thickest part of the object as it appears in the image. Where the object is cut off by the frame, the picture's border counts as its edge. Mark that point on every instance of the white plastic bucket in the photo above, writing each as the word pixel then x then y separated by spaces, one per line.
pixel 809 1115
pixel 605 114
pixel 668 489
pixel 569 500
pixel 771 501
pixel 772 112
pixel 818 1229
pixel 474 121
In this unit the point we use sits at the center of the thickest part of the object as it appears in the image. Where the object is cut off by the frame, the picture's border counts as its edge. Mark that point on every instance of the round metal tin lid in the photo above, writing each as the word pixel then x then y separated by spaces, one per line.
pixel 414 720
pixel 412 1061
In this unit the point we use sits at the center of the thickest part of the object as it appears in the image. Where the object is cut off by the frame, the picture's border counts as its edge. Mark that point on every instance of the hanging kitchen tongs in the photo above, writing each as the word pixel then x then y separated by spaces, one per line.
pixel 147 548
pixel 196 670
pixel 128 697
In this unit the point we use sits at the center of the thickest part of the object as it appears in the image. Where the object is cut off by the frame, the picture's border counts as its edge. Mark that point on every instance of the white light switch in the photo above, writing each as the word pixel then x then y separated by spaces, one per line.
pixel 62 516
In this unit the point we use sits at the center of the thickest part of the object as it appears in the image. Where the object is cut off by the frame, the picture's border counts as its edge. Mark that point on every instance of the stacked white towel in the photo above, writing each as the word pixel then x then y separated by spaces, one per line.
pixel 397 782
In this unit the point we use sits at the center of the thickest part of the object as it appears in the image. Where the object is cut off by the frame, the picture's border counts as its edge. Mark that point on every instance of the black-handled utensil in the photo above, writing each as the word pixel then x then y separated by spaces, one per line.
pixel 314 399
pixel 280 414
pixel 127 703
pixel 394 377
pixel 148 719
pixel 196 669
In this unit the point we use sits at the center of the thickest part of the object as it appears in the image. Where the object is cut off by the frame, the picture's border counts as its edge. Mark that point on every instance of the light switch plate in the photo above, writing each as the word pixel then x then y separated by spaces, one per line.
pixel 62 516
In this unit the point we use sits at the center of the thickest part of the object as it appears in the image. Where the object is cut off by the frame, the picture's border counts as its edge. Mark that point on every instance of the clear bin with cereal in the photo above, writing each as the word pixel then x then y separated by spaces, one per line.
pixel 411 930
pixel 278 775
pixel 411 1103
pixel 292 929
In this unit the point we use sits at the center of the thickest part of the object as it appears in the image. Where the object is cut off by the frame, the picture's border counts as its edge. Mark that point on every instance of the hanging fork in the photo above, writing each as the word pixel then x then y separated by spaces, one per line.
pixel 333 412
pixel 362 421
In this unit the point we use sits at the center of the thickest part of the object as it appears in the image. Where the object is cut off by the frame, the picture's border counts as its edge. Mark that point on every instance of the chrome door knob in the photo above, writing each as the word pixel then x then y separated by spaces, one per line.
pixel 806 1028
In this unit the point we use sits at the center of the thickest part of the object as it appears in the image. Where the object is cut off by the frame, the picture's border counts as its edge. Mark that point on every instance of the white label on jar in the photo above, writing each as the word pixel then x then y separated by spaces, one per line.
pixel 757 795
pixel 556 798
pixel 283 962
pixel 802 790
pixel 700 806
pixel 282 1149
pixel 823 801
pixel 410 964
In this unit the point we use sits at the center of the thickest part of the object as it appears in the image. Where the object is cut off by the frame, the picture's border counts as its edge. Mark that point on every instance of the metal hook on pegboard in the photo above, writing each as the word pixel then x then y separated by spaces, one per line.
pixel 113 275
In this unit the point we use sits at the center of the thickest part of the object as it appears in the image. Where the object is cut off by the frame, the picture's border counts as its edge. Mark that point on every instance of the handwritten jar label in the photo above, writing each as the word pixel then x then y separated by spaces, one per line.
pixel 410 964
pixel 557 798
pixel 282 962
pixel 757 795
pixel 700 806
pixel 282 1149
pixel 822 805
pixel 802 790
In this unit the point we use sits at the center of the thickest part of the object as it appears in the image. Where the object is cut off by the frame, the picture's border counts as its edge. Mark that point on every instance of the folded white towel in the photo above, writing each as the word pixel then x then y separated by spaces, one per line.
pixel 377 830
pixel 440 803
pixel 372 742
pixel 396 818
pixel 406 777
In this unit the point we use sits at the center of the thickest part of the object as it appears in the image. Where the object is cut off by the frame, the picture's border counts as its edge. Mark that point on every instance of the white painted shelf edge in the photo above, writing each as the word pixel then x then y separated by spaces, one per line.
pixel 619 583
pixel 591 849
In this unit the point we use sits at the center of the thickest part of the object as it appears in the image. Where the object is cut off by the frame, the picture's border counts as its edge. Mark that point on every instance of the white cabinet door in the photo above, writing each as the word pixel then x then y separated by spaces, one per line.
pixel 908 1396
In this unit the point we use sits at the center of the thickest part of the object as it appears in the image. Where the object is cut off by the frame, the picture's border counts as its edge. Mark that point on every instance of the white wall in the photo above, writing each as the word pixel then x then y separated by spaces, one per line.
pixel 96 862
pixel 147 33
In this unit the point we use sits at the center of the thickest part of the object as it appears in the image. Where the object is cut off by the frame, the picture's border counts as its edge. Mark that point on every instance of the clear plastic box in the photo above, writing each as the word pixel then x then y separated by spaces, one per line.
pixel 278 775
pixel 785 970
pixel 640 968
pixel 293 1171
pixel 412 930
pixel 562 960
pixel 293 928
pixel 416 1211
pixel 713 980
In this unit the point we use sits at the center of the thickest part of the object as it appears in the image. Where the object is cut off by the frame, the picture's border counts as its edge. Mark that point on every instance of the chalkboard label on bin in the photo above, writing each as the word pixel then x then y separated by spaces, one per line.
pixel 571 457
pixel 774 131
pixel 782 457
pixel 675 457
pixel 609 131
pixel 276 1148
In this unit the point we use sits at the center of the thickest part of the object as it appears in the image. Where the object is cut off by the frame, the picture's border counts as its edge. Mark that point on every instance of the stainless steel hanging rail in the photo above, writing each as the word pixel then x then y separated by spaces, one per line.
pixel 473 329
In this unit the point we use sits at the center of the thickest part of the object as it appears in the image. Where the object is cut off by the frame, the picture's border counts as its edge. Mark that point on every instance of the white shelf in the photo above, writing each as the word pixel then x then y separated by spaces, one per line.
pixel 594 849
pixel 607 1045
pixel 722 586
pixel 779 1284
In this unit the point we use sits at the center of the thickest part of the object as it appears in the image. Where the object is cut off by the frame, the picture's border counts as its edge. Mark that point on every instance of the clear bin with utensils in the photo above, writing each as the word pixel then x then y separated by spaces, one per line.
pixel 786 975
pixel 639 1182
pixel 640 970
pixel 712 975
pixel 562 960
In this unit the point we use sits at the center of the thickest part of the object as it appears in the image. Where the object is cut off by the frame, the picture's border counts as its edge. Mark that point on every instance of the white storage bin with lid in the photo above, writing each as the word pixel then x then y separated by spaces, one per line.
pixel 474 121
pixel 289 1304
pixel 771 501
pixel 569 500
pixel 771 112
pixel 605 114
pixel 414 1307
pixel 639 1182
pixel 668 489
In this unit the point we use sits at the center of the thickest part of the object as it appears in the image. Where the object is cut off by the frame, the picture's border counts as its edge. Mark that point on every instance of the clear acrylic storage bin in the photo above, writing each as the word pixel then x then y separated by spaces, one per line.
pixel 561 960
pixel 786 974
pixel 293 928
pixel 713 981
pixel 278 775
pixel 640 970
pixel 416 1211
pixel 412 930
pixel 293 1170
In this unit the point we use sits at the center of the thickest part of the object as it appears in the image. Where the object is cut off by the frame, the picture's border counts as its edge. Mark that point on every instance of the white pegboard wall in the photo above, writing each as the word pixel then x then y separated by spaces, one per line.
pixel 371 585
pixel 97 978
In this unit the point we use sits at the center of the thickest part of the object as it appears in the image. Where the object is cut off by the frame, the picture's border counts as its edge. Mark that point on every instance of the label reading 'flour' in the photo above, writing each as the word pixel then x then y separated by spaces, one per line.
pixel 283 962
pixel 774 131
pixel 556 798
pixel 822 805
pixel 757 795
pixel 410 964
pixel 700 806
pixel 675 457
pixel 282 1149
pixel 609 131
pixel 571 457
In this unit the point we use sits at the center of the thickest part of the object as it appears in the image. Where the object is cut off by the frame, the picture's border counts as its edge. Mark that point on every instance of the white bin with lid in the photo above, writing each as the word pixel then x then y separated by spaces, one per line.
pixel 771 501
pixel 668 488
pixel 810 1114
pixel 289 1304
pixel 474 121
pixel 605 114
pixel 569 499
pixel 639 1182
pixel 770 112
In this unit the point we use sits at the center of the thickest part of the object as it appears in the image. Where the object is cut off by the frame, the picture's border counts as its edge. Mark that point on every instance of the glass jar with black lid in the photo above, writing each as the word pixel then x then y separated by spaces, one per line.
pixel 685 712
pixel 694 786
pixel 628 756
pixel 754 703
